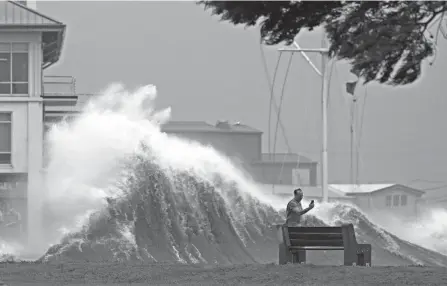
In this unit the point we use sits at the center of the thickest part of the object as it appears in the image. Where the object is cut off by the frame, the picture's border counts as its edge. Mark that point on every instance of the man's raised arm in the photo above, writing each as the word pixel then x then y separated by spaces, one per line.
pixel 300 211
pixel 296 208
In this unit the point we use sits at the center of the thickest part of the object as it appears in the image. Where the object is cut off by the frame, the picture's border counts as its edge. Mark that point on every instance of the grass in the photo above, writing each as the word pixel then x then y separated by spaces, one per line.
pixel 13 274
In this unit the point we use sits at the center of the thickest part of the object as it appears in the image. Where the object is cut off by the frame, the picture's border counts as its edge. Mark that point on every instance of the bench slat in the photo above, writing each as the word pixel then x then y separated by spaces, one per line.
pixel 317 229
pixel 294 249
pixel 316 236
pixel 307 242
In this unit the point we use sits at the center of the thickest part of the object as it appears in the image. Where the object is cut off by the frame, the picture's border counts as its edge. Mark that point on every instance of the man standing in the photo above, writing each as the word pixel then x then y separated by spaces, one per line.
pixel 294 212
pixel 294 209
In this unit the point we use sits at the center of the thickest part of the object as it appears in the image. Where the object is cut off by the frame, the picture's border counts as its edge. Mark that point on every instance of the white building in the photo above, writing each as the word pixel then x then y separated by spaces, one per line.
pixel 374 199
pixel 30 42
pixel 385 199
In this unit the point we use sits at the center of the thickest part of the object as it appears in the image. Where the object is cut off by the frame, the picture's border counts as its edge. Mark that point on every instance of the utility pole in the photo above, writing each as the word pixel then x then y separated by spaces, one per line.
pixel 324 108
pixel 353 140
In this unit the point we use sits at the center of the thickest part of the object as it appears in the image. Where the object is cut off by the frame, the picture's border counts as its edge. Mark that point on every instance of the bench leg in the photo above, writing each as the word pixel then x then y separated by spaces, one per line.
pixel 364 254
pixel 285 256
pixel 358 255
pixel 350 257
pixel 299 256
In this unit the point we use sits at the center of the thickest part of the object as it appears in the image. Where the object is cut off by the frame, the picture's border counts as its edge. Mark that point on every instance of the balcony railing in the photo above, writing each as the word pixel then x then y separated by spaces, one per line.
pixel 59 91
pixel 59 85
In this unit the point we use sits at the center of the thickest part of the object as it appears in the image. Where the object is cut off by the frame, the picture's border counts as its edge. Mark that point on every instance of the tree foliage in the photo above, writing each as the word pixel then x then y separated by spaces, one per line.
pixel 385 41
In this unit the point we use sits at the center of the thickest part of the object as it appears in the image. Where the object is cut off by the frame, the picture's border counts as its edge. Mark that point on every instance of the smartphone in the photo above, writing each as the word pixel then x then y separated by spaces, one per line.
pixel 312 201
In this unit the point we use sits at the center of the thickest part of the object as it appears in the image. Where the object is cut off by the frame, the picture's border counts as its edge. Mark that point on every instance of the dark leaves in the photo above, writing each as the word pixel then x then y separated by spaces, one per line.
pixel 384 41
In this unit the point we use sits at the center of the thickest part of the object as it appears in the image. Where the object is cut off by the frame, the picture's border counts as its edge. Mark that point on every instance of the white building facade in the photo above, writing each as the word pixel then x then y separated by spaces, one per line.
pixel 29 43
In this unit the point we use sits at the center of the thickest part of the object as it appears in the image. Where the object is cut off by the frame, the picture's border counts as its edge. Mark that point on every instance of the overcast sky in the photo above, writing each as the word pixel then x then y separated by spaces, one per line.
pixel 210 70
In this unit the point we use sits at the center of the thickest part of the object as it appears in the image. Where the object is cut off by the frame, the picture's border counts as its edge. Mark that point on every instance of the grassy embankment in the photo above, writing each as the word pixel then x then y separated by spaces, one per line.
pixel 14 274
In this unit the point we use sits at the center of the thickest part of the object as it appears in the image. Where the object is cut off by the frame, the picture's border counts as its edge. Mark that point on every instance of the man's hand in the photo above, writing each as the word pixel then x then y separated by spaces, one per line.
pixel 311 205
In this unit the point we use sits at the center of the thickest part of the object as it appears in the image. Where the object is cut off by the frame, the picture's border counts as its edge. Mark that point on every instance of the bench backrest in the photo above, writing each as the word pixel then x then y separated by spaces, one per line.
pixel 313 236
pixel 327 236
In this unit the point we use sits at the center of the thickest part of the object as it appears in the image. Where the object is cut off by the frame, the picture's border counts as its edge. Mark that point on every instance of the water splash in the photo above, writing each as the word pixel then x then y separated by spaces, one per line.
pixel 170 199
pixel 428 230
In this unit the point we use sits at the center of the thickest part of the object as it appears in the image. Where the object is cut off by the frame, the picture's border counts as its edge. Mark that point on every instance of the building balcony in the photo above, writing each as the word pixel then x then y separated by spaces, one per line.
pixel 59 91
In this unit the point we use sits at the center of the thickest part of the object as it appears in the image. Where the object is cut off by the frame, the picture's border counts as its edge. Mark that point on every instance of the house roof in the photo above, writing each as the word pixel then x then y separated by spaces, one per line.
pixel 364 189
pixel 309 192
pixel 360 188
pixel 16 16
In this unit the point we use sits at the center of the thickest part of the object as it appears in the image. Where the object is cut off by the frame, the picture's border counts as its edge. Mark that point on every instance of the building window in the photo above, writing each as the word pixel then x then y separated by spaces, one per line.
pixel 14 68
pixel 403 200
pixel 396 200
pixel 5 138
pixel 388 201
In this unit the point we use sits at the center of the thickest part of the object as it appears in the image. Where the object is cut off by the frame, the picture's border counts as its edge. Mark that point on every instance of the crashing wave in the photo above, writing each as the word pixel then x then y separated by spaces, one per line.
pixel 172 216
pixel 172 199
pixel 167 215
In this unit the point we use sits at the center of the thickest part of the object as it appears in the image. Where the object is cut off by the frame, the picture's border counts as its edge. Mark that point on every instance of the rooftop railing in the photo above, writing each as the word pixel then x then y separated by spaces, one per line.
pixel 55 85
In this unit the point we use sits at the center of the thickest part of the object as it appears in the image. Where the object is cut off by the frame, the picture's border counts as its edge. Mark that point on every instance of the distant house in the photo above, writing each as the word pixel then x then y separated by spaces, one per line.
pixel 395 199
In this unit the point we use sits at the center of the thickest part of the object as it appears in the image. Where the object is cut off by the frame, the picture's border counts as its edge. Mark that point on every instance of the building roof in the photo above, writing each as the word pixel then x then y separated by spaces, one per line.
pixel 16 16
pixel 202 126
pixel 360 188
pixel 364 189
pixel 309 192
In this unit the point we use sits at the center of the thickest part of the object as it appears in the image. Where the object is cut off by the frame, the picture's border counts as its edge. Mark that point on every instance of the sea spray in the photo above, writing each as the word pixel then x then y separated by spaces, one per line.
pixel 429 229
pixel 171 199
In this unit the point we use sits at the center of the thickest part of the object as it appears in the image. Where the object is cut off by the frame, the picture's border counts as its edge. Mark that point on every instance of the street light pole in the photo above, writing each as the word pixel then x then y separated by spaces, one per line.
pixel 324 109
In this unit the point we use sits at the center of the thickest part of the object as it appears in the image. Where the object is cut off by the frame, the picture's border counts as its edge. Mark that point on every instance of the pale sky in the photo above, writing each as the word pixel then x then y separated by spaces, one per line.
pixel 210 70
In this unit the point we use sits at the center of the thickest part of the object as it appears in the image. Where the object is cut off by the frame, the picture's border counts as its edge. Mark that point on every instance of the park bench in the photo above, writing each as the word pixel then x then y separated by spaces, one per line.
pixel 294 241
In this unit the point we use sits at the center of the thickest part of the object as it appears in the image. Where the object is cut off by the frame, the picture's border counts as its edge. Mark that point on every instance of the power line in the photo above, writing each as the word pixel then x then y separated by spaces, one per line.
pixel 281 100
pixel 278 109
pixel 333 65
pixel 273 101
pixel 280 106
pixel 362 120
pixel 271 84
pixel 286 76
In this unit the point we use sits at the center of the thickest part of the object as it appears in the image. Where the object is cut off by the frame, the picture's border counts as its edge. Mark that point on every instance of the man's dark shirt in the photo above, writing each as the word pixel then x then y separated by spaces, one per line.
pixel 293 219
